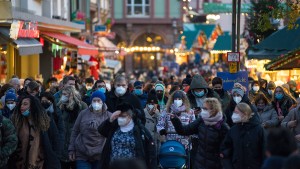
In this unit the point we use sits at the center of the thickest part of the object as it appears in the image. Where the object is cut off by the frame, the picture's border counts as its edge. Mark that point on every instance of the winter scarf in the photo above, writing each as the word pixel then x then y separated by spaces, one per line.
pixel 210 121
pixel 177 110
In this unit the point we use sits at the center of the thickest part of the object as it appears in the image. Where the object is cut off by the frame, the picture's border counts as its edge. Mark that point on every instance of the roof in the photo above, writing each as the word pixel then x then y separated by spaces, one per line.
pixel 278 43
pixel 191 32
pixel 25 46
pixel 83 48
pixel 223 42
pixel 286 62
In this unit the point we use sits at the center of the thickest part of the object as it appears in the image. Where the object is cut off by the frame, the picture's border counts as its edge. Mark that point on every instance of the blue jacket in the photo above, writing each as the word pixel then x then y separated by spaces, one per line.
pixel 143 99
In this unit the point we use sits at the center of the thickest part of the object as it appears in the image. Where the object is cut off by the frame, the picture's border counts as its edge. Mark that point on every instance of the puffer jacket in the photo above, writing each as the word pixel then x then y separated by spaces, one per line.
pixel 269 117
pixel 8 140
pixel 244 146
pixel 86 141
pixel 210 139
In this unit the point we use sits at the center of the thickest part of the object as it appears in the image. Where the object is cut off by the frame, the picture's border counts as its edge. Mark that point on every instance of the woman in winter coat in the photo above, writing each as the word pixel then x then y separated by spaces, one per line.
pixel 265 110
pixel 283 102
pixel 243 146
pixel 126 138
pixel 70 105
pixel 39 143
pixel 211 129
pixel 86 143
pixel 8 140
pixel 178 104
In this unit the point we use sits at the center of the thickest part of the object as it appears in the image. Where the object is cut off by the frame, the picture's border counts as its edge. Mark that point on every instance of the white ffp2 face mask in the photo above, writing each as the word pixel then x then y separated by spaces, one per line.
pixel 122 121
pixel 178 103
pixel 237 99
pixel 150 106
pixel 204 114
pixel 120 90
pixel 236 118
pixel 97 106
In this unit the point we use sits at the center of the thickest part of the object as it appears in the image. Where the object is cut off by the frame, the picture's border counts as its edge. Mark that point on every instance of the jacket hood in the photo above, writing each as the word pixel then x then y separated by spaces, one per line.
pixel 198 82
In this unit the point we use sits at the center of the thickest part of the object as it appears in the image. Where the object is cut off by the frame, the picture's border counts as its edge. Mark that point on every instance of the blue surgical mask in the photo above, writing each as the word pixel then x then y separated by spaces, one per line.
pixel 26 113
pixel 138 92
pixel 199 94
pixel 102 89
pixel 279 96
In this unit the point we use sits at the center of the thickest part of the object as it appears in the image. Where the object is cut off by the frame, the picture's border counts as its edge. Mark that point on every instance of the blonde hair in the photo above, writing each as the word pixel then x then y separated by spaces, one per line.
pixel 246 110
pixel 74 98
pixel 214 105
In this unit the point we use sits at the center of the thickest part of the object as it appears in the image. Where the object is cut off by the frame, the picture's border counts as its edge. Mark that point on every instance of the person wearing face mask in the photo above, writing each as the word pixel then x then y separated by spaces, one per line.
pixel 211 129
pixel 120 94
pixel 160 94
pixel 70 105
pixel 244 144
pixel 38 138
pixel 254 91
pixel 271 88
pixel 293 89
pixel 101 86
pixel 10 104
pixel 89 83
pixel 126 138
pixel 152 114
pixel 283 102
pixel 217 84
pixel 86 144
pixel 266 111
pixel 199 91
pixel 178 104
pixel 139 92
pixel 238 95
pixel 48 102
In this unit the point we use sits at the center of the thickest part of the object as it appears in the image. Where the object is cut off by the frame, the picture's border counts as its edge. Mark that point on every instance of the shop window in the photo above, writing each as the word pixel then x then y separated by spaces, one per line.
pixel 3 63
pixel 137 8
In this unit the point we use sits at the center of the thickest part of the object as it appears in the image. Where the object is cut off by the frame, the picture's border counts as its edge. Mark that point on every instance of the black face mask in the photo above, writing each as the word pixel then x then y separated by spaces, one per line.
pixel 46 105
pixel 159 96
pixel 219 91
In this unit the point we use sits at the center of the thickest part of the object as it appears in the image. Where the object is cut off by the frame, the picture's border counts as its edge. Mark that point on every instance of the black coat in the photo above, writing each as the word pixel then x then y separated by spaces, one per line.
pixel 210 139
pixel 244 146
pixel 209 94
pixel 112 101
pixel 145 147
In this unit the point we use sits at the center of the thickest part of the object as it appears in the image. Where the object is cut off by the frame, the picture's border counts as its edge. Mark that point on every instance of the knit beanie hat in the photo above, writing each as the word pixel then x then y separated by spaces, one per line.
pixel 10 96
pixel 98 94
pixel 137 84
pixel 271 85
pixel 178 95
pixel 159 86
pixel 238 88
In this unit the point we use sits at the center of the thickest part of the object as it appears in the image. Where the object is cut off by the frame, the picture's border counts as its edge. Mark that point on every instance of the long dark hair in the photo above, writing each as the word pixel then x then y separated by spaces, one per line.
pixel 38 114
pixel 50 97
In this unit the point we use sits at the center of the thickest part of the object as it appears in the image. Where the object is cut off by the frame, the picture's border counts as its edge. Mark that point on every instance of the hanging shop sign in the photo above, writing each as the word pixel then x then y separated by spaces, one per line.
pixel 22 29
pixel 230 78
pixel 233 59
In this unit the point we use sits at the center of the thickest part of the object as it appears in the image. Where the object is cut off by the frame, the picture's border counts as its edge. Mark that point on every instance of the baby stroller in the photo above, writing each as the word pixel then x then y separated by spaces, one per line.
pixel 172 155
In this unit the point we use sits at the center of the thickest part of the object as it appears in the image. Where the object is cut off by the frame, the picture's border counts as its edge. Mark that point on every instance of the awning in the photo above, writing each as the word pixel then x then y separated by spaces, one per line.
pixel 113 64
pixel 106 45
pixel 25 46
pixel 286 62
pixel 217 8
pixel 223 42
pixel 83 48
pixel 280 42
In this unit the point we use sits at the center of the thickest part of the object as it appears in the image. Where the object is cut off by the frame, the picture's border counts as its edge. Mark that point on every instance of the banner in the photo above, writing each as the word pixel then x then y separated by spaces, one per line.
pixel 230 78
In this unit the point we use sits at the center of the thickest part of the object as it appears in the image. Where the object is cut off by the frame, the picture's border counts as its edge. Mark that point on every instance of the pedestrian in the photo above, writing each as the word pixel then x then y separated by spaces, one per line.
pixel 101 86
pixel 70 105
pixel 86 144
pixel 88 90
pixel 33 89
pixel 120 94
pixel 271 88
pixel 161 95
pixel 15 82
pixel 48 102
pixel 38 138
pixel 238 95
pixel 293 89
pixel 126 138
pixel 217 84
pixel 178 104
pixel 266 112
pixel 254 91
pixel 282 102
pixel 10 104
pixel 52 85
pixel 67 81
pixel 280 143
pixel 8 140
pixel 292 122
pixel 22 91
pixel 186 82
pixel 139 92
pixel 199 91
pixel 243 146
pixel 4 89
pixel 211 129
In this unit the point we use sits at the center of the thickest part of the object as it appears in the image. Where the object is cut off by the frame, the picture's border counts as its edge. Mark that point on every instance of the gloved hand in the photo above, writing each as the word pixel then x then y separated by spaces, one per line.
pixel 163 132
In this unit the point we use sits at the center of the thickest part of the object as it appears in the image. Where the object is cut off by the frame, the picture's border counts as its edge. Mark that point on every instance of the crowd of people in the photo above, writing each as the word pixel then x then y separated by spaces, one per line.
pixel 85 125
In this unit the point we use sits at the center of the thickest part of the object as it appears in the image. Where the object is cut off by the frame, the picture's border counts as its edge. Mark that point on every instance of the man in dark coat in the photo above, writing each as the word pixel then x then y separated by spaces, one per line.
pixel 120 94
pixel 224 95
